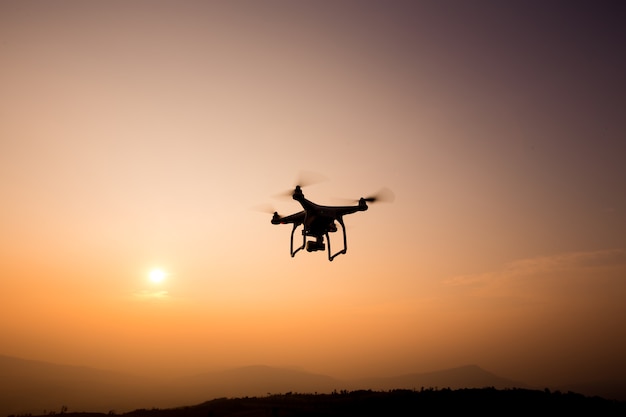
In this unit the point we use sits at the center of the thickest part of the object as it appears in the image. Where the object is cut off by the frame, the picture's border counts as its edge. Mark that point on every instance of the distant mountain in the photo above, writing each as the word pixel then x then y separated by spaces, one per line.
pixel 470 376
pixel 251 381
pixel 35 387
pixel 366 403
pixel 28 386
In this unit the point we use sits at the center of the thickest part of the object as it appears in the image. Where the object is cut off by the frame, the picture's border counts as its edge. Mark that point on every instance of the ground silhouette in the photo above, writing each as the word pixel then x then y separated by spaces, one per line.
pixel 423 402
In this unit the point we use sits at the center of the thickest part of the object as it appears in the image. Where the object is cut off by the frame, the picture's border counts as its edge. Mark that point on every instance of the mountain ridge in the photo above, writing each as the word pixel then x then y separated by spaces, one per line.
pixel 30 386
pixel 467 376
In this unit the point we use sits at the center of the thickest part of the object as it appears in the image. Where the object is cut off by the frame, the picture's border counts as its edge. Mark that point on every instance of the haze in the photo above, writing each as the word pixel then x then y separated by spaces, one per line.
pixel 142 135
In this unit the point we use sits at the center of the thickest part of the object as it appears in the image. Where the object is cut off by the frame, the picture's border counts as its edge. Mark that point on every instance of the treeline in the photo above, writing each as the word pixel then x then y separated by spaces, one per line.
pixel 423 402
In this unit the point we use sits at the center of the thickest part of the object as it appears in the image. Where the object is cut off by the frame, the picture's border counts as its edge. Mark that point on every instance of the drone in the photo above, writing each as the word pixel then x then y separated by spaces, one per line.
pixel 318 221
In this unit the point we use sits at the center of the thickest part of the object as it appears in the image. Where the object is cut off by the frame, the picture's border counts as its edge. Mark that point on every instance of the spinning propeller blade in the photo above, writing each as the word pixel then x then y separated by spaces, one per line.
pixel 384 195
pixel 304 179
pixel 265 208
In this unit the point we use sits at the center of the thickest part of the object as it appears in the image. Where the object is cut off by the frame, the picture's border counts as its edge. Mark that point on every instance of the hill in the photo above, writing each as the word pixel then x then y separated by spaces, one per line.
pixel 257 381
pixel 363 403
pixel 470 376
pixel 30 387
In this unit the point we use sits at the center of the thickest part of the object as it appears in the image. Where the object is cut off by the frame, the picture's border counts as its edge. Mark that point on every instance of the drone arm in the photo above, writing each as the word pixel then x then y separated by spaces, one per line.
pixel 345 241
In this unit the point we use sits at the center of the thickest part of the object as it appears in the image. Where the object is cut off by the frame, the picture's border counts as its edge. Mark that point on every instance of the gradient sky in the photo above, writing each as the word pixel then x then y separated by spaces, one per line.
pixel 143 134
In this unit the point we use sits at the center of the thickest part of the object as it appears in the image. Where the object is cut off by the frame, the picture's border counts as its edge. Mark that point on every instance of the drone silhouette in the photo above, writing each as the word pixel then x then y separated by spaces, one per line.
pixel 318 221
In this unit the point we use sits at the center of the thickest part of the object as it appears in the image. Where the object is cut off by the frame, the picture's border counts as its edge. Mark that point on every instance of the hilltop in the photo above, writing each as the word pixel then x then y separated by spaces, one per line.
pixel 363 403
pixel 33 387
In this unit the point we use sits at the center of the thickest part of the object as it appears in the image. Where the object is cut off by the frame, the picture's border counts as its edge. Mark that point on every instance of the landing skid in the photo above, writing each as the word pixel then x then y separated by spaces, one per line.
pixel 304 242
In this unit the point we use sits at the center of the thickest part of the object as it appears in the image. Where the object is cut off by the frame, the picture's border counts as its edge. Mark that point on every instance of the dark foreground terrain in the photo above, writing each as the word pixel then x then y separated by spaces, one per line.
pixel 428 402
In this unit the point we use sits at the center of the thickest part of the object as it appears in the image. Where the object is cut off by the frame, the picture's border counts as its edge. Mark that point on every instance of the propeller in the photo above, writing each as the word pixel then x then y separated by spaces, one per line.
pixel 264 208
pixel 384 195
pixel 304 179
pixel 267 208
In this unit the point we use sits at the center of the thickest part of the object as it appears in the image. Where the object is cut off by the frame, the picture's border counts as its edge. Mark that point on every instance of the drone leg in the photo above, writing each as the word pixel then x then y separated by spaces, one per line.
pixel 330 258
pixel 293 253
pixel 345 241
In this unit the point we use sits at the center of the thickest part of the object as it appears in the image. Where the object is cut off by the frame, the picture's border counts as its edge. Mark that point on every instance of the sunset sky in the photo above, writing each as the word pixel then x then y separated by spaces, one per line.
pixel 137 135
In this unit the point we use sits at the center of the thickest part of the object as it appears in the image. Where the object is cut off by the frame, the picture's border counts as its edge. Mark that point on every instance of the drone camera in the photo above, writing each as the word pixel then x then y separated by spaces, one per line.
pixel 312 245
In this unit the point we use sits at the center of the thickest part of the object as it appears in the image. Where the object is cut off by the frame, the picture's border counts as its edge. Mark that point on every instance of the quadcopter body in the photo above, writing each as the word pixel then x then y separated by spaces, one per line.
pixel 317 222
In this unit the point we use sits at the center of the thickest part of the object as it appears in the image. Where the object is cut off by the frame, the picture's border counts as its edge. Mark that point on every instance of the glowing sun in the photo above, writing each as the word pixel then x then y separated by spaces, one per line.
pixel 157 276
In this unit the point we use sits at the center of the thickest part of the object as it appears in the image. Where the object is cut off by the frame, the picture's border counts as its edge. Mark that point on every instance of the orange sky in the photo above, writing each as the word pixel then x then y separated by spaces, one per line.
pixel 137 135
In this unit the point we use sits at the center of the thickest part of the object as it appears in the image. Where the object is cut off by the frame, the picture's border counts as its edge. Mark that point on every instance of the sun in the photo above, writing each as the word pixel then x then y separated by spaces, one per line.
pixel 157 276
